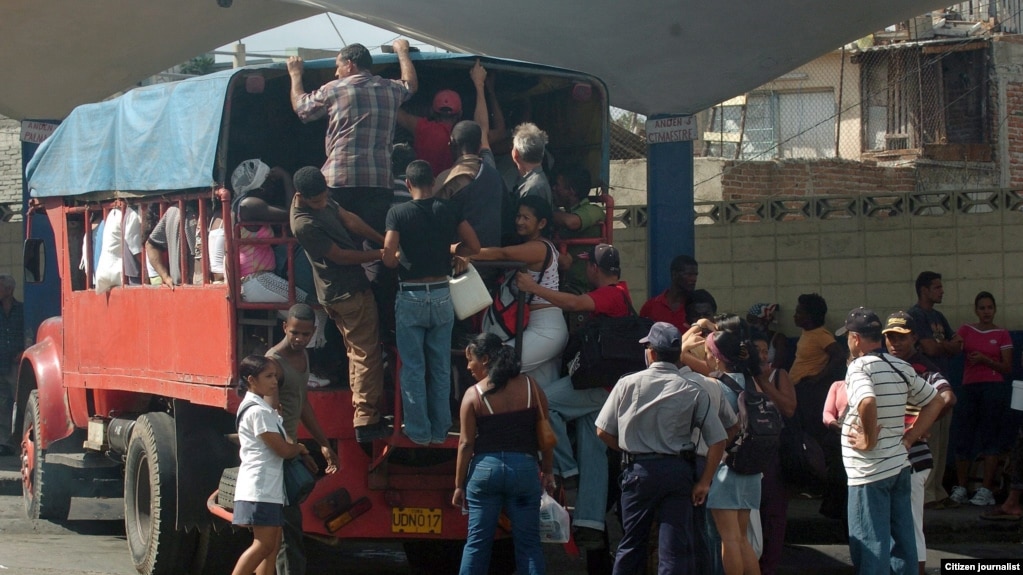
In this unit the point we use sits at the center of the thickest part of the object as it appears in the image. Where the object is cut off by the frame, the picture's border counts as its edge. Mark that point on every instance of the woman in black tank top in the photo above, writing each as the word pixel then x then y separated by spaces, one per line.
pixel 497 464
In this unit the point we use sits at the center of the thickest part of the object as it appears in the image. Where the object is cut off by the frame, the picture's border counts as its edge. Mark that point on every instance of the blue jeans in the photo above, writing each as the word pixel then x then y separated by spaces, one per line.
pixel 657 488
pixel 565 403
pixel 510 481
pixel 881 534
pixel 424 321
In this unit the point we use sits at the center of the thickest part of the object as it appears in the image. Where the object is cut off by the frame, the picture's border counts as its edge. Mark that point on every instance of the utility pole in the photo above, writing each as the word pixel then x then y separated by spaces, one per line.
pixel 239 55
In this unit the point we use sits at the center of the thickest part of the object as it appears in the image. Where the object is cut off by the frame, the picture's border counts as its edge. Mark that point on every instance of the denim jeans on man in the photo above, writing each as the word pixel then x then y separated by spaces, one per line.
pixel 881 536
pixel 657 488
pixel 424 322
pixel 510 481
pixel 565 403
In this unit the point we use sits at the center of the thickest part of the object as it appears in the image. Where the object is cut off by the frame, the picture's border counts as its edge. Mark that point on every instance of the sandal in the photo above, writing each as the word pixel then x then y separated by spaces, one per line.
pixel 999 515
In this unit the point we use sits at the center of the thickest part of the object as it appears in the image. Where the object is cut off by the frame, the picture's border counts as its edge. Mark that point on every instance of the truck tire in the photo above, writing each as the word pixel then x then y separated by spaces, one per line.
pixel 225 493
pixel 150 499
pixel 45 487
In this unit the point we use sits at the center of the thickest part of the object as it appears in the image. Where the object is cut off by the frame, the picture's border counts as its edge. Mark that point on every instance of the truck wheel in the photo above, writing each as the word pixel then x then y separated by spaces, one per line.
pixel 45 487
pixel 225 493
pixel 150 498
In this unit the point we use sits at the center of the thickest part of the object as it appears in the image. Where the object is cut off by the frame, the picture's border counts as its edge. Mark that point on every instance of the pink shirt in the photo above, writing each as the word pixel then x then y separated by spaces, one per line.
pixel 836 404
pixel 988 342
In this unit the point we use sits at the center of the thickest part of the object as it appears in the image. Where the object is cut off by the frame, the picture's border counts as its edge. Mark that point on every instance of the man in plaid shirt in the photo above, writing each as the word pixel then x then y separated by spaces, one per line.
pixel 361 111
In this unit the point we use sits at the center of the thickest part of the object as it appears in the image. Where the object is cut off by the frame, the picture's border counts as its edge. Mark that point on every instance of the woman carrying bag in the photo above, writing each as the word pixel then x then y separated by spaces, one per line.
pixel 546 334
pixel 497 465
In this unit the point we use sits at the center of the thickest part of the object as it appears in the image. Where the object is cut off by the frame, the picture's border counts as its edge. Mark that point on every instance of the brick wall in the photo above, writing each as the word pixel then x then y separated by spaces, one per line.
pixel 10 162
pixel 1014 126
pixel 811 178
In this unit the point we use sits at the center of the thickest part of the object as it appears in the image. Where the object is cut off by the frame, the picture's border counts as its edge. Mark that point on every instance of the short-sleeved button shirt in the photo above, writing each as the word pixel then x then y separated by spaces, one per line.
pixel 261 474
pixel 361 112
pixel 655 411
pixel 317 231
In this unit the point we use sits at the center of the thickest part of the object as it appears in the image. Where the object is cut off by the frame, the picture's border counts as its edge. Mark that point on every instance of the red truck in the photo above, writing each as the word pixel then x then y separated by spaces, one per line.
pixel 131 392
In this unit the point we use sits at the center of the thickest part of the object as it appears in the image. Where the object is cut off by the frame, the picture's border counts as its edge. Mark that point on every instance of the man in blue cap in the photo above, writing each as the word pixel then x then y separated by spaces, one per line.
pixel 649 417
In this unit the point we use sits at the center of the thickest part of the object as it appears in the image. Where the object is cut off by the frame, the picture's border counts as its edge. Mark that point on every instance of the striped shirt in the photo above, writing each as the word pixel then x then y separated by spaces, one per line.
pixel 876 376
pixel 920 457
pixel 361 112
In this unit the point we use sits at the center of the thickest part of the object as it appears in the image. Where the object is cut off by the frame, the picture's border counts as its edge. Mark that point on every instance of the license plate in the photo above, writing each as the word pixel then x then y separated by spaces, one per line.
pixel 415 520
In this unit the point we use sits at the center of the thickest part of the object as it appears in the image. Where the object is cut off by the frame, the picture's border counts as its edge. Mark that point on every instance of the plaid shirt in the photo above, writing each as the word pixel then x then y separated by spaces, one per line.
pixel 361 111
pixel 12 336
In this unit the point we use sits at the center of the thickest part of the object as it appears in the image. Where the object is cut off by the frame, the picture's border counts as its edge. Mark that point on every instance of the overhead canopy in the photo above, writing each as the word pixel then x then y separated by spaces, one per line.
pixel 657 56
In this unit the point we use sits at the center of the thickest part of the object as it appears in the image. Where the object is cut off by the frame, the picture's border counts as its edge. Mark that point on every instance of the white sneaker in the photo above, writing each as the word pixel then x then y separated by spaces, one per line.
pixel 959 494
pixel 983 496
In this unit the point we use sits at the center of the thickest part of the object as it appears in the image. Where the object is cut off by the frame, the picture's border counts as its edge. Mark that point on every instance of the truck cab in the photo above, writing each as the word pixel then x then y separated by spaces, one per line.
pixel 130 391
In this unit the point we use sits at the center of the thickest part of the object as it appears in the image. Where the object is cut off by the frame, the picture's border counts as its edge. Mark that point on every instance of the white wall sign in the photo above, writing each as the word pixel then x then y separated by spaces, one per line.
pixel 671 129
pixel 36 132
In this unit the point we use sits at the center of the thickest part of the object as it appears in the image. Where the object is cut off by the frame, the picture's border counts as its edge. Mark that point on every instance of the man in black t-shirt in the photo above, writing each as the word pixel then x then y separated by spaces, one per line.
pixel 423 310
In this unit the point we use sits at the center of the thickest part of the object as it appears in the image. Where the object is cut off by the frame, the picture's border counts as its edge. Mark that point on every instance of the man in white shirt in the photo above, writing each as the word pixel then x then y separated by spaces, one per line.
pixel 874 448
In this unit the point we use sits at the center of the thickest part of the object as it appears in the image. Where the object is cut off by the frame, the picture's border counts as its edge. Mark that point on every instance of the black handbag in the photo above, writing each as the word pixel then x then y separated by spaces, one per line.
pixel 298 481
pixel 604 349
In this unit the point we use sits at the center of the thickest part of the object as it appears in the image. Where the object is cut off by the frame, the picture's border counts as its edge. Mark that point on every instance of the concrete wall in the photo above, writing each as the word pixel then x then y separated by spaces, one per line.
pixel 866 261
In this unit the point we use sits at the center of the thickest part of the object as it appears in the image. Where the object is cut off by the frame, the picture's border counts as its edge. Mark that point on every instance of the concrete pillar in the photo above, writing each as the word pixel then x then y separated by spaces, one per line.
pixel 669 207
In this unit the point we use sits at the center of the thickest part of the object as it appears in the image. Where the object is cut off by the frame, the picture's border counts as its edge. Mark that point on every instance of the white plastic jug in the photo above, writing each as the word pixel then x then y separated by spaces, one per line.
pixel 469 294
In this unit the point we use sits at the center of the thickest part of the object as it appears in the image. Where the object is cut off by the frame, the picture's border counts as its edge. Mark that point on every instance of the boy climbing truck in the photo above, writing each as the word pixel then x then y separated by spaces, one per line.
pixel 139 246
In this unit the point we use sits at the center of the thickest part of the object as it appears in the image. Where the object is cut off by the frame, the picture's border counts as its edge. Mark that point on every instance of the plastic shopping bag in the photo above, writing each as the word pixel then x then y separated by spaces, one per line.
pixel 554 522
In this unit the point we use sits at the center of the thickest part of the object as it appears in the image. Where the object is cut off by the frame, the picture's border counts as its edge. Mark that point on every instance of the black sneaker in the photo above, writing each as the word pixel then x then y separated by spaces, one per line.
pixel 372 432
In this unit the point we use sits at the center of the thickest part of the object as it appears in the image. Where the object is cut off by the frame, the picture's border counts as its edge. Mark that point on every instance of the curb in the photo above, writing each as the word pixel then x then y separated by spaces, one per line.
pixel 10 483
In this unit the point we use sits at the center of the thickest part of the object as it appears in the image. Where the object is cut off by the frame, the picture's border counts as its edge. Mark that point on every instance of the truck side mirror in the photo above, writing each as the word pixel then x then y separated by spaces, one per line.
pixel 35 260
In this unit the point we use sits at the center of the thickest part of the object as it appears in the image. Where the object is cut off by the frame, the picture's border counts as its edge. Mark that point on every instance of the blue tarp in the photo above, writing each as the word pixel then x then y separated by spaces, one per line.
pixel 151 139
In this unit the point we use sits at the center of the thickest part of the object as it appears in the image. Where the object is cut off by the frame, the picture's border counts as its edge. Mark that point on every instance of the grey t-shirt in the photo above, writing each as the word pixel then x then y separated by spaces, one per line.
pixel 655 411
pixel 931 324
pixel 318 231
pixel 166 235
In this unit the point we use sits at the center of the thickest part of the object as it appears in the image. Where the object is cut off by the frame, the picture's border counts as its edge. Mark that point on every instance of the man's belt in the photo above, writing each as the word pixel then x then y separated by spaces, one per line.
pixel 630 458
pixel 422 287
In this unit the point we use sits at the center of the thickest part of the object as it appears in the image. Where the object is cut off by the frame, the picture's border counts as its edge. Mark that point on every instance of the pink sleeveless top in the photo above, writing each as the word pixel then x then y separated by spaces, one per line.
pixel 253 258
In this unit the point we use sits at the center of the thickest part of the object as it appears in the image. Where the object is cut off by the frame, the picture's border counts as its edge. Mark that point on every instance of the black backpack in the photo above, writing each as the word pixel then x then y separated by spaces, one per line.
pixel 605 348
pixel 755 447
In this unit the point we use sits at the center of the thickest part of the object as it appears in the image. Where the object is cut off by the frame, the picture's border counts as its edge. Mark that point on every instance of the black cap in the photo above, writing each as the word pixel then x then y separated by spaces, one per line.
pixel 899 322
pixel 862 321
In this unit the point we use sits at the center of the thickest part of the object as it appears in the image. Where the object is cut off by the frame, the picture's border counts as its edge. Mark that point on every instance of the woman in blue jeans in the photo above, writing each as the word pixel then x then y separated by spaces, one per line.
pixel 497 464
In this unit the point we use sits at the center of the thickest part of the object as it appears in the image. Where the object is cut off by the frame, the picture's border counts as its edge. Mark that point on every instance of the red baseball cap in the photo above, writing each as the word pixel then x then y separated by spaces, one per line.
pixel 447 102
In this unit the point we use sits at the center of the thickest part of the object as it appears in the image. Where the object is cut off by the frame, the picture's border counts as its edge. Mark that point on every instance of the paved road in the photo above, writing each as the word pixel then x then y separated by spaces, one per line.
pixel 92 543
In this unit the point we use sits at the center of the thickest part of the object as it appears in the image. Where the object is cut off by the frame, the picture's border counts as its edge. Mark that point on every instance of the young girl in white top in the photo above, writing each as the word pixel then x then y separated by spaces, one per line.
pixel 259 492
